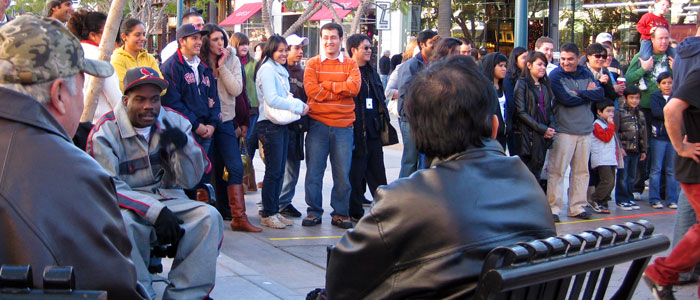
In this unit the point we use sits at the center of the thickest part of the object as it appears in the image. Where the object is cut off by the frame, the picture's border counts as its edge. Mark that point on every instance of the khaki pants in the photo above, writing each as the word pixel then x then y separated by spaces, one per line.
pixel 568 150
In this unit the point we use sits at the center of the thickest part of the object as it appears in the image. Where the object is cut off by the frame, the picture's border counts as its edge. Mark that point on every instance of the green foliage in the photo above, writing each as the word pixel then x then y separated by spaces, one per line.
pixel 35 7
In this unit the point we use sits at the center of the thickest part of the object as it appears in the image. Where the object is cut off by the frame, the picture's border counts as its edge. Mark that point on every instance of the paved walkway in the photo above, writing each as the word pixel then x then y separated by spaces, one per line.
pixel 287 264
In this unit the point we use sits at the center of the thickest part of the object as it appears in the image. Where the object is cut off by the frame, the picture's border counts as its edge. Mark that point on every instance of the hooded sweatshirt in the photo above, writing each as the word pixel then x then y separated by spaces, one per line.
pixel 687 56
pixel 572 111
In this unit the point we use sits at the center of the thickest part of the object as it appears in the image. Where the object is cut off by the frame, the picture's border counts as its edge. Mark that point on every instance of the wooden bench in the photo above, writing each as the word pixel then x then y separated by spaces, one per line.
pixel 571 266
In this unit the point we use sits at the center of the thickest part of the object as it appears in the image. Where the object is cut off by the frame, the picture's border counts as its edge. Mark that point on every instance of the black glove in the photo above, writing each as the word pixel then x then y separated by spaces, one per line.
pixel 168 228
pixel 172 135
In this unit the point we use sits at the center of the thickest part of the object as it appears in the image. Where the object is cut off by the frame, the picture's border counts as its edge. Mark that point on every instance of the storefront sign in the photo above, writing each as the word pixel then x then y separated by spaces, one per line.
pixel 383 15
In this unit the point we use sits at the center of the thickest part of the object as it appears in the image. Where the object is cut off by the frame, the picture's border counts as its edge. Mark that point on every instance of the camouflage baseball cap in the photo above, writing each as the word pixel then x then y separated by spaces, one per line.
pixel 35 50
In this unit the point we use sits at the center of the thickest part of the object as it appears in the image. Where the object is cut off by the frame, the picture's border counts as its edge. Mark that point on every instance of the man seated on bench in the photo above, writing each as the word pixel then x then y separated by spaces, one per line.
pixel 426 235
pixel 57 205
pixel 151 154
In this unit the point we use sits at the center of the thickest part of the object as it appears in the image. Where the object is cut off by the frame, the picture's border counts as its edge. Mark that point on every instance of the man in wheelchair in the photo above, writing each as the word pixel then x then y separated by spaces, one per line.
pixel 150 153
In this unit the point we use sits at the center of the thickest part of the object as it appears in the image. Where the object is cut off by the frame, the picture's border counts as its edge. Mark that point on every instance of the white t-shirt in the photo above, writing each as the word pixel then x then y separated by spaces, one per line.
pixel 502 103
pixel 145 132
pixel 168 51
pixel 194 64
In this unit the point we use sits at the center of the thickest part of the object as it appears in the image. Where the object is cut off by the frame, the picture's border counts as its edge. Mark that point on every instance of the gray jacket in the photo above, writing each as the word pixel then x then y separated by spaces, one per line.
pixel 57 205
pixel 572 102
pixel 145 175
pixel 411 67
pixel 687 58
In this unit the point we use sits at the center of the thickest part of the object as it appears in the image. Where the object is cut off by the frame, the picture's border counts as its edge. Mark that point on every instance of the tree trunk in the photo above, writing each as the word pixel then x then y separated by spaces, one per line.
pixel 266 17
pixel 327 4
pixel 310 10
pixel 445 18
pixel 109 34
pixel 355 27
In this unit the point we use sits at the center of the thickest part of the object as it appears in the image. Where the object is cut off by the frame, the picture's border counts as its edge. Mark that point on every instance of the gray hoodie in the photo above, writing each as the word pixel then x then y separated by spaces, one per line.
pixel 687 57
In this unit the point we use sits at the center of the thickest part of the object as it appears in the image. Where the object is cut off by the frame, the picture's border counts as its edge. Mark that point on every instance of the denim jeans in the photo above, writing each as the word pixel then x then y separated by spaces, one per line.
pixel 662 156
pixel 226 144
pixel 274 139
pixel 291 175
pixel 251 139
pixel 206 146
pixel 410 157
pixel 384 79
pixel 626 177
pixel 321 141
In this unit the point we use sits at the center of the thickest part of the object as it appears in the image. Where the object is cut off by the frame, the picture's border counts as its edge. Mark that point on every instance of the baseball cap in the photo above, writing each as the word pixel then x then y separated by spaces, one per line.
pixel 36 50
pixel 604 37
pixel 143 75
pixel 295 40
pixel 51 4
pixel 192 11
pixel 188 29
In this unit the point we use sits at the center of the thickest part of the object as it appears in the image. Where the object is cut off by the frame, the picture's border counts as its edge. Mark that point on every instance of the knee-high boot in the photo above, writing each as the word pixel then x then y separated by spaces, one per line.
pixel 237 203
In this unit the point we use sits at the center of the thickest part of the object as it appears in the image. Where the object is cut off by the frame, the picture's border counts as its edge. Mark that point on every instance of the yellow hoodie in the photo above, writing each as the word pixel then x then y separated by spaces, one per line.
pixel 123 61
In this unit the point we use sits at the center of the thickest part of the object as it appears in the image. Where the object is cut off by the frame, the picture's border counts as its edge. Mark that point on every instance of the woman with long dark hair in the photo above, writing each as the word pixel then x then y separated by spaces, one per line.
pixel 234 119
pixel 532 129
pixel 516 65
pixel 242 44
pixel 88 27
pixel 493 66
pixel 132 54
pixel 272 81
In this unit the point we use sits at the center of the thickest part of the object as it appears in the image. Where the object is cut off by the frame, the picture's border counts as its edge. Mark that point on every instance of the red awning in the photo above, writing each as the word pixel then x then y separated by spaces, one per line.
pixel 242 14
pixel 325 14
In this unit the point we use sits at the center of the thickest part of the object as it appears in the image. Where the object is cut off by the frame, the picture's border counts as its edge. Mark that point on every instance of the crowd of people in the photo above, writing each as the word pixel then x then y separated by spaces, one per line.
pixel 163 130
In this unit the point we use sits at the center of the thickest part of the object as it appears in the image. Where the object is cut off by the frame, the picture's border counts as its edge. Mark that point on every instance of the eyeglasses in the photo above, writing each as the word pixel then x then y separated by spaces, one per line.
pixel 367 48
pixel 599 56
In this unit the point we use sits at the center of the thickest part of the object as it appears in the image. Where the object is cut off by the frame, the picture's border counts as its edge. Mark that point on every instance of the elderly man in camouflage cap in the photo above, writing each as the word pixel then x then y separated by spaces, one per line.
pixel 57 205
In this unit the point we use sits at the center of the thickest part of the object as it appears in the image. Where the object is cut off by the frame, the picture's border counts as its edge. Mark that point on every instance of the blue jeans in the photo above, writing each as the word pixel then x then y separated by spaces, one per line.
pixel 274 139
pixel 662 155
pixel 251 139
pixel 626 177
pixel 685 218
pixel 646 49
pixel 384 79
pixel 321 141
pixel 226 144
pixel 206 146
pixel 409 158
pixel 291 176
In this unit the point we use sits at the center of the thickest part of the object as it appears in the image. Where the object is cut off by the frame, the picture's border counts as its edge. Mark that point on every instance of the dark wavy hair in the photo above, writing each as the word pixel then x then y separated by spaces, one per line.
pixel 513 69
pixel 532 57
pixel 206 48
pixel 269 50
pixel 449 94
pixel 82 22
pixel 444 48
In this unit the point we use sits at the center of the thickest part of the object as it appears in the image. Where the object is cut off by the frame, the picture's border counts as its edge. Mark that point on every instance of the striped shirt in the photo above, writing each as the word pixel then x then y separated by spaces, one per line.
pixel 331 85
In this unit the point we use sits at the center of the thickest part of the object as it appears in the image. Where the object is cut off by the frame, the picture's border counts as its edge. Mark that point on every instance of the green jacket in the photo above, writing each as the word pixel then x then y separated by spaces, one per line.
pixel 250 83
pixel 635 73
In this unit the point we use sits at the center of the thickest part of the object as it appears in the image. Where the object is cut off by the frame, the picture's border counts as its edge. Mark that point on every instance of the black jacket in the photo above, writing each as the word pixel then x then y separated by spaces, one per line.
pixel 528 116
pixel 426 236
pixel 658 129
pixel 369 123
pixel 384 65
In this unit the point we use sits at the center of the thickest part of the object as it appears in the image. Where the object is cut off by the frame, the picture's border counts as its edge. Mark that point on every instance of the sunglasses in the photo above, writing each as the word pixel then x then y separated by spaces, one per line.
pixel 599 56
pixel 367 48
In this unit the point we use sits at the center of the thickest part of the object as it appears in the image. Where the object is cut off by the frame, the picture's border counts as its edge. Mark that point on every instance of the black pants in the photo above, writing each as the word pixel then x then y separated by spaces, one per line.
pixel 644 167
pixel 606 183
pixel 367 169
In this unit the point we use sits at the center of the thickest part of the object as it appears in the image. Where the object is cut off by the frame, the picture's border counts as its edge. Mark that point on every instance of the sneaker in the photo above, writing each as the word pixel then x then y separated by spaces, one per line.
pixel 673 206
pixel 366 202
pixel 584 215
pixel 556 218
pixel 310 221
pixel 624 206
pixel 642 84
pixel 657 205
pixel 341 221
pixel 634 205
pixel 355 220
pixel 595 207
pixel 272 222
pixel 637 196
pixel 604 209
pixel 290 211
pixel 660 292
pixel 284 220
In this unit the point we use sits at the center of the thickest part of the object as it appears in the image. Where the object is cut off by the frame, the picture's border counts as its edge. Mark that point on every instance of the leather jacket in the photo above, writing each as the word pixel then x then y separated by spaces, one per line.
pixel 426 236
pixel 528 117
pixel 631 128
pixel 57 205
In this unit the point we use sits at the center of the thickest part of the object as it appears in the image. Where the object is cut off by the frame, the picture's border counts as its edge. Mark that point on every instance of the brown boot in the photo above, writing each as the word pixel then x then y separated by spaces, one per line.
pixel 202 195
pixel 237 203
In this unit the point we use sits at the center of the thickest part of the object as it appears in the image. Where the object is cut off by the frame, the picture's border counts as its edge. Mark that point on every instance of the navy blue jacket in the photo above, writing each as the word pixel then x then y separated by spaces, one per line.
pixel 188 98
pixel 658 129
pixel 572 112
pixel 412 67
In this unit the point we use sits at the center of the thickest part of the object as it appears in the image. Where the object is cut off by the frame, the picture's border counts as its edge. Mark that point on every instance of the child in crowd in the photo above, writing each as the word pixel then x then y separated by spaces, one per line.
pixel 646 26
pixel 663 153
pixel 631 130
pixel 604 155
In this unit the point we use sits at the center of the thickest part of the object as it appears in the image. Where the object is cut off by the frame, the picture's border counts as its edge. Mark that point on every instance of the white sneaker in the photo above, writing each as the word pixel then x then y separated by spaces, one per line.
pixel 283 220
pixel 637 196
pixel 634 205
pixel 272 222
pixel 642 84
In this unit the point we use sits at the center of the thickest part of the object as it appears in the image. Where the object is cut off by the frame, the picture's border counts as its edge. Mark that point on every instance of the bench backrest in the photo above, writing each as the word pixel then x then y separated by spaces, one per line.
pixel 558 267
pixel 16 282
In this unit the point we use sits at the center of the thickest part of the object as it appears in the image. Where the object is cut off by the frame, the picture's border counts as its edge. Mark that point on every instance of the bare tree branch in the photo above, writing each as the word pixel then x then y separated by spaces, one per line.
pixel 355 27
pixel 310 10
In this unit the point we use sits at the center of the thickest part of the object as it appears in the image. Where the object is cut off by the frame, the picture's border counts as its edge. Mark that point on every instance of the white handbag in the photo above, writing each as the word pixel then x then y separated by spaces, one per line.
pixel 276 115
pixel 393 107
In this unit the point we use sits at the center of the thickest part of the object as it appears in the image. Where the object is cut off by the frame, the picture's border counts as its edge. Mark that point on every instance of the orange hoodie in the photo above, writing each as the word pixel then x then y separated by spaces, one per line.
pixel 331 85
